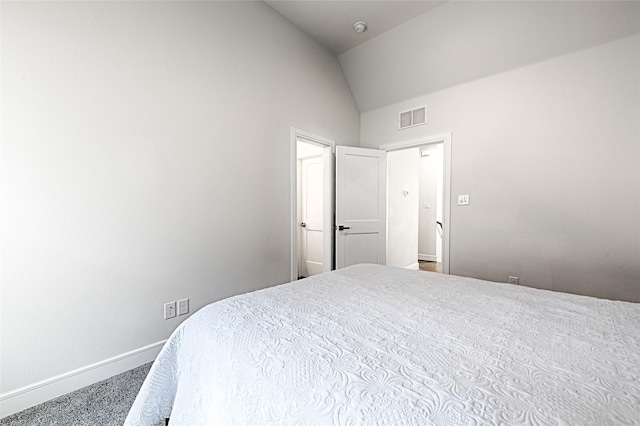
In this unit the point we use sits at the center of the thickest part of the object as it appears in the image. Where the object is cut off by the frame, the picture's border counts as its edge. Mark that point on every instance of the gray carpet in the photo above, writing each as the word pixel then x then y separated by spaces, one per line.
pixel 105 403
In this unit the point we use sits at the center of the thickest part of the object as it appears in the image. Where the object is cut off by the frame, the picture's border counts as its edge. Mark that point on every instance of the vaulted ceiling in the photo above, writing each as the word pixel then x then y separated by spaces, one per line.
pixel 417 47
pixel 331 22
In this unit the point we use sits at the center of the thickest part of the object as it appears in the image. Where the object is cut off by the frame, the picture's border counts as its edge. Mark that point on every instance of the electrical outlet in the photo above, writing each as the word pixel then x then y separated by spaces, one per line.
pixel 183 306
pixel 463 200
pixel 514 280
pixel 169 310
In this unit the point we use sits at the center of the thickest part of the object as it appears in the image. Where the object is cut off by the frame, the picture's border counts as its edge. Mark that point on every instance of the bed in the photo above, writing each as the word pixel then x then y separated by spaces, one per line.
pixel 376 345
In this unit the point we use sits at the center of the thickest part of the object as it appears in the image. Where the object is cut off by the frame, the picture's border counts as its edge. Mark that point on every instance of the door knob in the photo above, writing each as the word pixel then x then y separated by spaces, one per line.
pixel 304 225
pixel 342 228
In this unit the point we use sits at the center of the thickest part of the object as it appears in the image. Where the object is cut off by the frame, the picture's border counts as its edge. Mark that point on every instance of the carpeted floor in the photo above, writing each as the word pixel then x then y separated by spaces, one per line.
pixel 105 403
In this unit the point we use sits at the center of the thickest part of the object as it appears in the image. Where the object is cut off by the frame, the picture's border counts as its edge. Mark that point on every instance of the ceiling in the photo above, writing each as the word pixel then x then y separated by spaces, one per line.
pixel 330 22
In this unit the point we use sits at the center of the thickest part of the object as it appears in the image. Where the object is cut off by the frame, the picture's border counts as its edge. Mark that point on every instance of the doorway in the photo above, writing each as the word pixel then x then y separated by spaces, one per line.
pixel 418 203
pixel 312 177
pixel 430 207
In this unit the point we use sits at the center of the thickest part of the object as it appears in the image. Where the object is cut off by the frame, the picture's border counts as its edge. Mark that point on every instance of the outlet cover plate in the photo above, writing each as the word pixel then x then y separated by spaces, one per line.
pixel 169 310
pixel 183 306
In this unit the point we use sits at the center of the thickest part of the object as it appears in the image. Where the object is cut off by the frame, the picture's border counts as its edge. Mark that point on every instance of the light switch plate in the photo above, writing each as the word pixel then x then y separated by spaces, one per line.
pixel 463 200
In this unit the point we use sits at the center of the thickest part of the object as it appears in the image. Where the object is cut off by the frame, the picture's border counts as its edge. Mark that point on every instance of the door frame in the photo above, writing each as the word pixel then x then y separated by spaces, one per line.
pixel 328 146
pixel 445 140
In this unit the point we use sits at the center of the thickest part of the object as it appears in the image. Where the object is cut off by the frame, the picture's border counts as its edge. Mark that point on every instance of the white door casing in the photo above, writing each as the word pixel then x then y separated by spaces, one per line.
pixel 361 197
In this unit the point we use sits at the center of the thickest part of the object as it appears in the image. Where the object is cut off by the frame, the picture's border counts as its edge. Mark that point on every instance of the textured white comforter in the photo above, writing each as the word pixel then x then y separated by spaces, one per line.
pixel 374 345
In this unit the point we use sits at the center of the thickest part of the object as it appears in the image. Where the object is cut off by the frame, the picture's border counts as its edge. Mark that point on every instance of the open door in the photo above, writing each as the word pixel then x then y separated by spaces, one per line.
pixel 361 197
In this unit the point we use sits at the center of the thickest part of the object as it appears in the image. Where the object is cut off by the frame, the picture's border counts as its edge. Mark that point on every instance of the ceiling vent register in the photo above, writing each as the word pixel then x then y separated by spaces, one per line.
pixel 411 118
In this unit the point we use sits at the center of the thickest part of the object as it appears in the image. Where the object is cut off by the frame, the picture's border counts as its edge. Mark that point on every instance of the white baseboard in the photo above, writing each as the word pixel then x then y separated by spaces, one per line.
pixel 45 390
pixel 428 257
pixel 414 266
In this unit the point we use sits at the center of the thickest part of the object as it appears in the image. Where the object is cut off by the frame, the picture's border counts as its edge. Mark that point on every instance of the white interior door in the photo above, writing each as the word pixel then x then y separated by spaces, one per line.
pixel 312 248
pixel 312 216
pixel 361 197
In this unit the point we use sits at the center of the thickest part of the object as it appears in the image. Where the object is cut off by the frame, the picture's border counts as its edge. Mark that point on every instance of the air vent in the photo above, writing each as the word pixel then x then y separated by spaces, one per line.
pixel 411 118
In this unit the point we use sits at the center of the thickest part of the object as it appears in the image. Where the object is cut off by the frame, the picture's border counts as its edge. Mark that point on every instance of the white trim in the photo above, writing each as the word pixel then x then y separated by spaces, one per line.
pixel 428 257
pixel 414 266
pixel 411 143
pixel 45 390
pixel 328 171
pixel 315 139
pixel 445 140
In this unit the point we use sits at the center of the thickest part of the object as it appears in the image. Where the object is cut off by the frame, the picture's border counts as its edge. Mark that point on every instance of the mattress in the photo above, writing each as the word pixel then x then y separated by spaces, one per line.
pixel 376 345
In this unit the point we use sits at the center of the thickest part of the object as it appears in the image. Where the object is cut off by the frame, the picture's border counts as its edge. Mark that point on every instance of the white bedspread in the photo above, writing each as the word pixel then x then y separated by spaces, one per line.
pixel 374 345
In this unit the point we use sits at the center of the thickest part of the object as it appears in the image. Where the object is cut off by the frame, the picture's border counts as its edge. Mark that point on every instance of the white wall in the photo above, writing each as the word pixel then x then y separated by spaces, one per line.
pixel 550 156
pixel 145 158
pixel 403 171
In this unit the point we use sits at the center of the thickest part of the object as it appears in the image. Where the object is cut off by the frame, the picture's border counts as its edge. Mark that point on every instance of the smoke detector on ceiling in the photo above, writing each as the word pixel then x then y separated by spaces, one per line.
pixel 360 26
